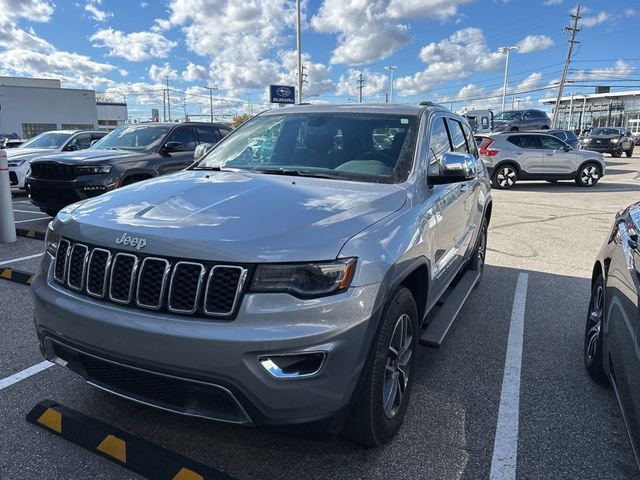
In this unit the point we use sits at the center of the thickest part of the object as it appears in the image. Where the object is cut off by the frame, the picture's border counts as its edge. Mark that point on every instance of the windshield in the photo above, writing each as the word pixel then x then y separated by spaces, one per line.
pixel 367 147
pixel 134 137
pixel 49 140
pixel 605 131
pixel 508 116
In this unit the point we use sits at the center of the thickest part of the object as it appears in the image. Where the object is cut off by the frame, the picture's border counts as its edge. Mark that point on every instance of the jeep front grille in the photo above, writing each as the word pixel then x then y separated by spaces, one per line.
pixel 154 283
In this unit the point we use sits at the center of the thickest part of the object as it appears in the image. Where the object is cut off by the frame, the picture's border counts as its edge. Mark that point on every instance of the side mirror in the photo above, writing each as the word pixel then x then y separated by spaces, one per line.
pixel 93 142
pixel 567 148
pixel 201 150
pixel 71 148
pixel 456 167
pixel 173 147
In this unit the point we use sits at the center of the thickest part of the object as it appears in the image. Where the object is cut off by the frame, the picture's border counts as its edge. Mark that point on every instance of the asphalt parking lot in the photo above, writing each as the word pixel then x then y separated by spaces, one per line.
pixel 543 240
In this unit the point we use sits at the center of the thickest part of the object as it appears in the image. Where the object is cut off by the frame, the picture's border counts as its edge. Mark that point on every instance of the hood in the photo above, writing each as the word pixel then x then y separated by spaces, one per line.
pixel 27 153
pixel 91 156
pixel 234 217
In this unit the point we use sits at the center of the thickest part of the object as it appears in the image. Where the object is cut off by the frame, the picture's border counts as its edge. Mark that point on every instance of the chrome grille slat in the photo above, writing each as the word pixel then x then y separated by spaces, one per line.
pixel 76 266
pixel 203 289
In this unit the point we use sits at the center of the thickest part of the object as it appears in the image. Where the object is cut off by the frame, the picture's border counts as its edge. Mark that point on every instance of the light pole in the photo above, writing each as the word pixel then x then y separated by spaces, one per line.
pixel 391 68
pixel 211 89
pixel 299 50
pixel 507 51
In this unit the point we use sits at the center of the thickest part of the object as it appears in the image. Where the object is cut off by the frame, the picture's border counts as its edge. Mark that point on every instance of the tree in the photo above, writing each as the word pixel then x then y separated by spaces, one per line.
pixel 240 119
pixel 105 98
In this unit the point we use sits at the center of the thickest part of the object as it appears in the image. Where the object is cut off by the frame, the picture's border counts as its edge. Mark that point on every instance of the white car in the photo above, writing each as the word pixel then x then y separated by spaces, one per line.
pixel 45 144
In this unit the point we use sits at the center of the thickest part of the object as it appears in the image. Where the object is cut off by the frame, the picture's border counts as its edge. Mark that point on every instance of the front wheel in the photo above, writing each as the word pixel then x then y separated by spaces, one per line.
pixel 480 252
pixel 382 403
pixel 629 152
pixel 616 154
pixel 593 359
pixel 588 175
pixel 505 177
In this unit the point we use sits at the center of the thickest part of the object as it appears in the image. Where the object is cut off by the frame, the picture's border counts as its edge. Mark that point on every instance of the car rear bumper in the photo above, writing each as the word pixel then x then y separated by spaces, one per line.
pixel 210 368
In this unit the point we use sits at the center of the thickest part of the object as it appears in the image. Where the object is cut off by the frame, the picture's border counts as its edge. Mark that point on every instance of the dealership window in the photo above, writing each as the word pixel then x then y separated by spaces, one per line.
pixel 30 130
pixel 109 123
pixel 77 126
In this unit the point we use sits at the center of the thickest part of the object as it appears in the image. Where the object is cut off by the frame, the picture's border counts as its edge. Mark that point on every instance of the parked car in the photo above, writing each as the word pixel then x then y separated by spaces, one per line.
pixel 612 140
pixel 511 157
pixel 44 144
pixel 126 155
pixel 12 142
pixel 611 340
pixel 567 136
pixel 289 290
pixel 519 120
pixel 480 121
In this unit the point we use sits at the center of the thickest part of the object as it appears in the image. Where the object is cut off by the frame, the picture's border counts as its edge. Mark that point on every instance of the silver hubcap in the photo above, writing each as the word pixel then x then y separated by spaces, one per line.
pixel 506 177
pixel 396 374
pixel 595 322
pixel 589 175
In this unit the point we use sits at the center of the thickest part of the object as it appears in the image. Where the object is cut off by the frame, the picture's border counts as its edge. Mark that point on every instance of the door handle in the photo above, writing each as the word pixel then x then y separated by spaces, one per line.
pixel 464 187
pixel 549 154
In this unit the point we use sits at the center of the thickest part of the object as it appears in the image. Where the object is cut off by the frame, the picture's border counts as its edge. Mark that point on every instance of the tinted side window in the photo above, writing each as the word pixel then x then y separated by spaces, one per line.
pixel 528 115
pixel 82 141
pixel 551 143
pixel 223 132
pixel 473 147
pixel 438 145
pixel 97 136
pixel 206 134
pixel 485 122
pixel 525 141
pixel 185 136
pixel 538 114
pixel 457 136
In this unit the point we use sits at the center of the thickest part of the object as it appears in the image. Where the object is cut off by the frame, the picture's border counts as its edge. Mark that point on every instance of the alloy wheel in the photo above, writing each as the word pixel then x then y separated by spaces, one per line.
pixel 589 175
pixel 506 177
pixel 396 376
pixel 595 323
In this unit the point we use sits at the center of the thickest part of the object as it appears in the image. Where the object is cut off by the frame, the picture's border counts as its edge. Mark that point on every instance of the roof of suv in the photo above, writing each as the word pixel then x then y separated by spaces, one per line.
pixel 384 108
pixel 176 124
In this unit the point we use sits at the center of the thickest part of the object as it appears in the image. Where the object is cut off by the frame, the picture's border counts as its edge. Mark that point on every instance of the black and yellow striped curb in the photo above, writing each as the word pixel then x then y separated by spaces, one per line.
pixel 17 276
pixel 35 234
pixel 136 454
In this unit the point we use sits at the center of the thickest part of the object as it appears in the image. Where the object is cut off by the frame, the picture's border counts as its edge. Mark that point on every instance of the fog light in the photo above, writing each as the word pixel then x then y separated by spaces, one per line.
pixel 296 365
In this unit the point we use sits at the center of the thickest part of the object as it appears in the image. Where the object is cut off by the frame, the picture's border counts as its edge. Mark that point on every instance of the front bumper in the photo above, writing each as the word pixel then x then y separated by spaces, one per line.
pixel 602 147
pixel 57 194
pixel 16 177
pixel 222 355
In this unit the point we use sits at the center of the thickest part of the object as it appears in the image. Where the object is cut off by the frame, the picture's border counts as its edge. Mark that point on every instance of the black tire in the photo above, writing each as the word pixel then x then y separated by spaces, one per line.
pixel 593 332
pixel 545 127
pixel 480 252
pixel 514 129
pixel 617 154
pixel 373 421
pixel 588 175
pixel 505 177
pixel 629 152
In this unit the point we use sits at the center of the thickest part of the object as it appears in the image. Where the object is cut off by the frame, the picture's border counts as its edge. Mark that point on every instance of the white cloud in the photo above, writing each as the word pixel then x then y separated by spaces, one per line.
pixel 532 81
pixel 374 83
pixel 160 73
pixel 534 43
pixel 144 4
pixel 34 10
pixel 194 73
pixel 594 20
pixel 135 46
pixel 374 29
pixel 620 70
pixel 552 2
pixel 96 13
pixel 631 12
pixel 455 57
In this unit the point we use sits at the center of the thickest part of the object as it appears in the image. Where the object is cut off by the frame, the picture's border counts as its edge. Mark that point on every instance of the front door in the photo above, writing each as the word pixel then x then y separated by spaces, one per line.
pixel 557 160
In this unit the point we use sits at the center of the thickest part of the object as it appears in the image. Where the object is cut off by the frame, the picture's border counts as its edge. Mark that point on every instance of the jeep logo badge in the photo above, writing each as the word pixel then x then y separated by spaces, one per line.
pixel 131 241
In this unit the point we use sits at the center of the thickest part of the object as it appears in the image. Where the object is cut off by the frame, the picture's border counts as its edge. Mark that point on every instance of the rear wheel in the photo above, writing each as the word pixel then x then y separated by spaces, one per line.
pixel 505 177
pixel 588 175
pixel 593 357
pixel 382 403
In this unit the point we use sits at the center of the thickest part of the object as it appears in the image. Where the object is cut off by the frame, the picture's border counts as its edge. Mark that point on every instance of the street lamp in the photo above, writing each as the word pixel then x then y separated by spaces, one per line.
pixel 391 68
pixel 507 51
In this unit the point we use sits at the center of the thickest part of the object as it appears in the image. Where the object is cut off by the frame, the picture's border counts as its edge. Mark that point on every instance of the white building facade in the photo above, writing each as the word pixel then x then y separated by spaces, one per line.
pixel 111 115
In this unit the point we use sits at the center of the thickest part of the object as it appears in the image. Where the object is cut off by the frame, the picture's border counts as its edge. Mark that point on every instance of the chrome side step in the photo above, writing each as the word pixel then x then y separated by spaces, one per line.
pixel 438 328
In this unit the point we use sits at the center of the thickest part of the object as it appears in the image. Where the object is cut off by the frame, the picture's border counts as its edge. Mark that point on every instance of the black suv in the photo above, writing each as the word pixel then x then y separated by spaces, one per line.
pixel 519 120
pixel 612 140
pixel 128 154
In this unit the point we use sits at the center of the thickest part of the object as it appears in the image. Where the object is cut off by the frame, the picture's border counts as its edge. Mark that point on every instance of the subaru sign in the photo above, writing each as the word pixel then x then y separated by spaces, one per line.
pixel 282 94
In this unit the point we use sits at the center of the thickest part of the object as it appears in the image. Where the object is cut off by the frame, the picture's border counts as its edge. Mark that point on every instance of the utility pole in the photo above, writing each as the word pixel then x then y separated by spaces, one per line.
pixel 506 50
pixel 168 100
pixel 211 89
pixel 299 52
pixel 573 29
pixel 184 105
pixel 360 87
pixel 164 105
pixel 391 68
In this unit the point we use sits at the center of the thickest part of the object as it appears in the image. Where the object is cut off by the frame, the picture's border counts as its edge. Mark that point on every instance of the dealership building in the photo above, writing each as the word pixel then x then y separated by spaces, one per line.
pixel 601 109
pixel 30 106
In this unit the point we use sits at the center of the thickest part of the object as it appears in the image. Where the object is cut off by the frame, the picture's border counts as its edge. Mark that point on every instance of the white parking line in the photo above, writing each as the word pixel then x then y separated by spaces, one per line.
pixel 31 219
pixel 505 448
pixel 26 373
pixel 28 211
pixel 28 257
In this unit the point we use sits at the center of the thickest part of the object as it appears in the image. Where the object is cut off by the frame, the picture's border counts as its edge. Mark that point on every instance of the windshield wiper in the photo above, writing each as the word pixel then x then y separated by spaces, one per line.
pixel 299 173
pixel 212 169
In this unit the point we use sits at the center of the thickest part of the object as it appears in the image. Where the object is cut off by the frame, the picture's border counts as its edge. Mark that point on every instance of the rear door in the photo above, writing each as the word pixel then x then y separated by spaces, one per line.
pixel 175 161
pixel 556 160
pixel 527 152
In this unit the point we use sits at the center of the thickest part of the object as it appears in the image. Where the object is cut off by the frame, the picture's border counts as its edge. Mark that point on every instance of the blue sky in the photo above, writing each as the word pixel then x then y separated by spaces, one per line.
pixel 445 50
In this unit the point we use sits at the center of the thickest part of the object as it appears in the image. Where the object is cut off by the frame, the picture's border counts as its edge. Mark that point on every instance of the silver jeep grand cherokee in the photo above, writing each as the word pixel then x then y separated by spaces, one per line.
pixel 279 285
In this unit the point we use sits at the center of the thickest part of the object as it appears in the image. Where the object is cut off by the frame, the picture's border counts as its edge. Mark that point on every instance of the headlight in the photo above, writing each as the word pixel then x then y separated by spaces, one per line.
pixel 586 140
pixel 615 140
pixel 305 280
pixel 16 163
pixel 93 169
pixel 51 240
